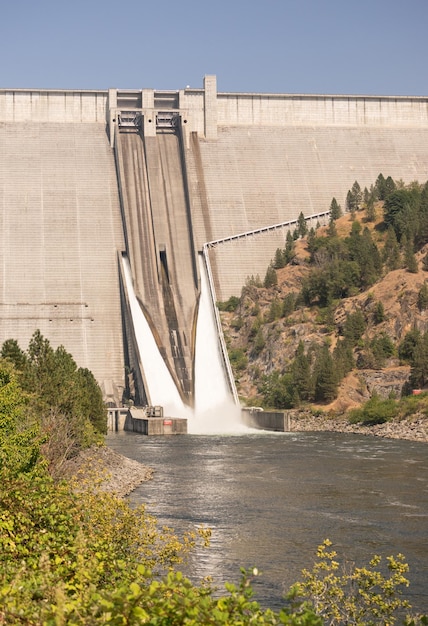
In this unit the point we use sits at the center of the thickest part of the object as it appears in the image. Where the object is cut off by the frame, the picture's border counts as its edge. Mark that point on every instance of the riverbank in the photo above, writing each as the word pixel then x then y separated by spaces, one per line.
pixel 414 428
pixel 112 472
pixel 105 469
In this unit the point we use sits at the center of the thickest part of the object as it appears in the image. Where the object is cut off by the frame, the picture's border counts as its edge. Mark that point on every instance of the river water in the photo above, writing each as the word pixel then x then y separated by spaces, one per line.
pixel 271 499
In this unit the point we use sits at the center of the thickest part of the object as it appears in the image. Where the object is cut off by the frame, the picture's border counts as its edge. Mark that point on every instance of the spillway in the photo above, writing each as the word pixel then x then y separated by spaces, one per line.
pixel 159 240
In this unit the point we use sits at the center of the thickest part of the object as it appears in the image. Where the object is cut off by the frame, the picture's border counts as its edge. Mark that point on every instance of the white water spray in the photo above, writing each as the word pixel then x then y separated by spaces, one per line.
pixel 161 387
pixel 215 411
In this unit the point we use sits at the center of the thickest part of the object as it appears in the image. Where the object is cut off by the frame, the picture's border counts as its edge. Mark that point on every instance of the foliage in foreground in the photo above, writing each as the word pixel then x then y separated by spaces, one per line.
pixel 359 595
pixel 62 401
pixel 74 555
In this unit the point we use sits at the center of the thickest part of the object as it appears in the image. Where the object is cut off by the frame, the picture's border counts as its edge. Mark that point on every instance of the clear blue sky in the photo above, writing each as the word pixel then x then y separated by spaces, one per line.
pixel 277 46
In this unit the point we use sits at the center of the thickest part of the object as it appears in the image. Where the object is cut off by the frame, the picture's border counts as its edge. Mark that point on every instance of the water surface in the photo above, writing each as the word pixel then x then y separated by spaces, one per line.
pixel 271 499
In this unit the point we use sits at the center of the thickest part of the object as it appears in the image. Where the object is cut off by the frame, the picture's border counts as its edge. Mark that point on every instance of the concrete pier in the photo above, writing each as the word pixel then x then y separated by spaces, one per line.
pixel 254 417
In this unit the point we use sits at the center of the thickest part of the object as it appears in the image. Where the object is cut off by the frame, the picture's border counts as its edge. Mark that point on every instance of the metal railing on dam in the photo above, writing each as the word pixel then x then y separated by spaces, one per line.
pixel 288 225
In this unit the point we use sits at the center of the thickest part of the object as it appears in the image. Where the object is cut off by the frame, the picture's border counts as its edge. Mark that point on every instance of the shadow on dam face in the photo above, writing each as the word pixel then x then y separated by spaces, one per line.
pixel 163 264
pixel 159 241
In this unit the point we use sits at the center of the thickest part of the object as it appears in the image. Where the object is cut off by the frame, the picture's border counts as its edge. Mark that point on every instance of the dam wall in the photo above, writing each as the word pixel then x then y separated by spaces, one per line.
pixel 245 167
pixel 60 230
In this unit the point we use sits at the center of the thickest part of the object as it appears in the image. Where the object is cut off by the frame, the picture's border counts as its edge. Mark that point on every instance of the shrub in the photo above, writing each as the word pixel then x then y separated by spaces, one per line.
pixel 238 359
pixel 230 305
pixel 374 411
pixel 271 279
pixel 353 595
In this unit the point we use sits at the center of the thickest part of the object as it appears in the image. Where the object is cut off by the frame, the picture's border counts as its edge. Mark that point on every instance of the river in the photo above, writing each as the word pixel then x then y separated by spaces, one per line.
pixel 272 498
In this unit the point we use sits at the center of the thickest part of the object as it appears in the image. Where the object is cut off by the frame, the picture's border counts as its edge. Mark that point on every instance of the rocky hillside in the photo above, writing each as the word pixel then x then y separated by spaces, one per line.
pixel 263 337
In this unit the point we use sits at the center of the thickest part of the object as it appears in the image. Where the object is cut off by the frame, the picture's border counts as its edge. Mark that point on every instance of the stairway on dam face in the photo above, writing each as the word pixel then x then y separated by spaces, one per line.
pixel 159 239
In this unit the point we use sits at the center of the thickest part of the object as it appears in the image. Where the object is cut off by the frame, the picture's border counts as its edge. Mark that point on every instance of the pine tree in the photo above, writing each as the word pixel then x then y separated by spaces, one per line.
pixel 419 365
pixel 350 204
pixel 325 374
pixel 409 258
pixel 335 210
pixel 422 231
pixel 343 358
pixel 423 297
pixel 290 245
pixel 379 314
pixel 13 353
pixel 371 211
pixel 302 225
pixel 391 250
pixel 354 326
pixel 289 304
pixel 271 279
pixel 331 230
pixel 301 372
pixel 357 195
pixel 280 259
pixel 407 347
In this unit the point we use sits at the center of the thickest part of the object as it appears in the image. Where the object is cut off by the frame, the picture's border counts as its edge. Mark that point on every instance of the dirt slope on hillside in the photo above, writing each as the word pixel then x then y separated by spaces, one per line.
pixel 397 291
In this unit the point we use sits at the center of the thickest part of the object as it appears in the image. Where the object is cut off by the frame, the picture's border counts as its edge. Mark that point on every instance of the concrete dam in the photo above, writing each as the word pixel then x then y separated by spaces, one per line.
pixel 167 185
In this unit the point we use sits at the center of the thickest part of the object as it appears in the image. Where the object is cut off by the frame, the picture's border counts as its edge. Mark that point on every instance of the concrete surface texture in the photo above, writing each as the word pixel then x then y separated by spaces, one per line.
pixel 75 191
pixel 60 228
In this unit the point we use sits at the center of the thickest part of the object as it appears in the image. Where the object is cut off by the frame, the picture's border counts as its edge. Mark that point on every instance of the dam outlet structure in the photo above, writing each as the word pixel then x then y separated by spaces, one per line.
pixel 129 209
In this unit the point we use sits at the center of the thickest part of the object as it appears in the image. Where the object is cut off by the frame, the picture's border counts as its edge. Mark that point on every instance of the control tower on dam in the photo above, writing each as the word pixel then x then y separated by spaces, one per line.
pixel 90 177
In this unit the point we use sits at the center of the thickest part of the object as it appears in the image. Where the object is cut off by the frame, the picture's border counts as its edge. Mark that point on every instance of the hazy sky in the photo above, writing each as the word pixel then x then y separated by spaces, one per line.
pixel 278 46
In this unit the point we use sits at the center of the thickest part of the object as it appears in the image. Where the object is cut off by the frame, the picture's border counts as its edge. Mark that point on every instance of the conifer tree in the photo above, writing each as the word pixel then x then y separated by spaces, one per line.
pixel 302 225
pixel 325 376
pixel 421 235
pixel 379 314
pixel 370 211
pixel 380 187
pixel 280 259
pixel 301 372
pixel 288 304
pixel 271 279
pixel 335 210
pixel 423 297
pixel 356 194
pixel 354 326
pixel 343 358
pixel 410 259
pixel 331 230
pixel 407 347
pixel 391 250
pixel 290 245
pixel 12 352
pixel 419 365
pixel 350 204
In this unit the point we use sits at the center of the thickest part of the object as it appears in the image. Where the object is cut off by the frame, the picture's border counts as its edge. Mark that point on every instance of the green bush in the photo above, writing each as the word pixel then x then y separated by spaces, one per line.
pixel 230 305
pixel 374 411
pixel 238 359
pixel 366 595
